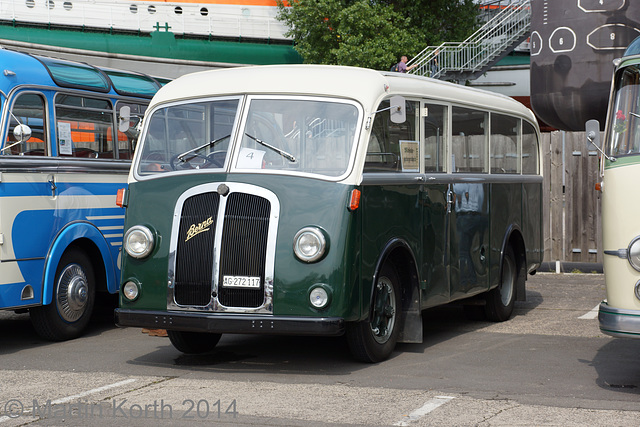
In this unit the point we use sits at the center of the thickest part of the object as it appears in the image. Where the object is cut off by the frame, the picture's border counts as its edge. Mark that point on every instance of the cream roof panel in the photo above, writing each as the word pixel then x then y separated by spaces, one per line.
pixel 345 82
pixel 361 84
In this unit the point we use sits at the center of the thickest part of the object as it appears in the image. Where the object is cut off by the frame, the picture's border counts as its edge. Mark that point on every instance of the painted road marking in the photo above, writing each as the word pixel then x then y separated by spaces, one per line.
pixel 591 314
pixel 424 410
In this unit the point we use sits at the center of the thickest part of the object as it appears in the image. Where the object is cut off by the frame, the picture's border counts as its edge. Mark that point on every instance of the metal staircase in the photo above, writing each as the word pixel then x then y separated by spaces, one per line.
pixel 467 60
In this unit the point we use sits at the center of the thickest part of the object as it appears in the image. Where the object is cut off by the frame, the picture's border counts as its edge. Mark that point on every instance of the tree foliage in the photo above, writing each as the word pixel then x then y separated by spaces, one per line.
pixel 373 33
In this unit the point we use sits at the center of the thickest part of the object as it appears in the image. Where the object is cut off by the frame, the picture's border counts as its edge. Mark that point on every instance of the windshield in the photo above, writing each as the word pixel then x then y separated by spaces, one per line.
pixel 188 137
pixel 624 124
pixel 301 135
pixel 295 135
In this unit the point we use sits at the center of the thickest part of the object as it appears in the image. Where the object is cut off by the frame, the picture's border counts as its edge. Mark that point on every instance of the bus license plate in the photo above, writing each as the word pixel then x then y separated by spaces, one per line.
pixel 241 282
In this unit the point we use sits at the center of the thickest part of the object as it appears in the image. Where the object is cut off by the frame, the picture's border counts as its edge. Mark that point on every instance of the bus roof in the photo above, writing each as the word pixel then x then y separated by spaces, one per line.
pixel 364 85
pixel 23 68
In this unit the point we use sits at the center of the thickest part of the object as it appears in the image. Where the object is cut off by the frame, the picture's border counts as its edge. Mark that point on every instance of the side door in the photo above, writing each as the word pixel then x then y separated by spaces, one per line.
pixel 469 232
pixel 435 196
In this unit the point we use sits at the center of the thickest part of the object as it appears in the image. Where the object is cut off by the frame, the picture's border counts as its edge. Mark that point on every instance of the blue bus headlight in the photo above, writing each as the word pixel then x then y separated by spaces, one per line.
pixel 309 244
pixel 138 241
pixel 633 253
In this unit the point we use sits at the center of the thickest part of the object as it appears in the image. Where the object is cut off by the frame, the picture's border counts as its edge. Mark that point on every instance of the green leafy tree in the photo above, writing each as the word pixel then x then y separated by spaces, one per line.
pixel 370 33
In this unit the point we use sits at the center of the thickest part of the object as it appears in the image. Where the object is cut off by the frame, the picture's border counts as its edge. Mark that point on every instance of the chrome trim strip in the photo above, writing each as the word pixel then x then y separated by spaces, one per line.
pixel 215 305
pixel 378 178
pixel 619 322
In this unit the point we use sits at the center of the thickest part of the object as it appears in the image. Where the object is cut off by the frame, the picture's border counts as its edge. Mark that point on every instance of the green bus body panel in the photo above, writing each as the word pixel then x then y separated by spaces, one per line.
pixel 457 254
pixel 160 44
pixel 303 202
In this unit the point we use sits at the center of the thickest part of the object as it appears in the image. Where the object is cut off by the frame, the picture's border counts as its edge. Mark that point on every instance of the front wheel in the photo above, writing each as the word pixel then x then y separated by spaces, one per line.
pixel 193 342
pixel 374 339
pixel 500 300
pixel 73 298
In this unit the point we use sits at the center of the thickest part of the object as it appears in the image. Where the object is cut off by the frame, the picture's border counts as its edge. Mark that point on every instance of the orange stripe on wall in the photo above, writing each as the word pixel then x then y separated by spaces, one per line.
pixel 234 2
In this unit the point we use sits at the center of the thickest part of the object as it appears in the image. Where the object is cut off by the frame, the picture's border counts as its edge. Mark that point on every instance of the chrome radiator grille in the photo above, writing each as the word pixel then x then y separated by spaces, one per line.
pixel 223 235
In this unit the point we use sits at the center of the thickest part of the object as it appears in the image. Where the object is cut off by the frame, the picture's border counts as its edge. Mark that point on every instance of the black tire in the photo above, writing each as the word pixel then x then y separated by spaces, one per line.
pixel 73 299
pixel 374 339
pixel 500 300
pixel 193 342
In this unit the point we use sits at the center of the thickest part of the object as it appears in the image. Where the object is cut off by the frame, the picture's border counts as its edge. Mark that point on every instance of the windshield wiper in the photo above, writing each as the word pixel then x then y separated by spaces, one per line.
pixel 283 153
pixel 208 144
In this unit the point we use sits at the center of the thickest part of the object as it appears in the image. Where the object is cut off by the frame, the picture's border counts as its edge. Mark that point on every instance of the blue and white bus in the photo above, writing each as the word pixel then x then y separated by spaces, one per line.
pixel 68 135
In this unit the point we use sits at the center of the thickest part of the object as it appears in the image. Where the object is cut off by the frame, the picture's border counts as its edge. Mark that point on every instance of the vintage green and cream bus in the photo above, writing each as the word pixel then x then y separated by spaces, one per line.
pixel 323 200
pixel 619 314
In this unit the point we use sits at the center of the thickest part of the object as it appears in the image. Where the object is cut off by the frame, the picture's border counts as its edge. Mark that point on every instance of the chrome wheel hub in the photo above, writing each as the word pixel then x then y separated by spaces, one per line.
pixel 72 293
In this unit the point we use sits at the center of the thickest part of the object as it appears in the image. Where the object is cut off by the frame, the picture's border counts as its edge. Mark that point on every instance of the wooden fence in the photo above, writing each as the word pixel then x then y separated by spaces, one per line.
pixel 571 205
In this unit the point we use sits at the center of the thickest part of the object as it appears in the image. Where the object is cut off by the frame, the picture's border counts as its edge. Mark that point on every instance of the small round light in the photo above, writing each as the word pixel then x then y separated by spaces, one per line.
pixel 318 297
pixel 138 241
pixel 633 253
pixel 130 291
pixel 309 244
pixel 636 289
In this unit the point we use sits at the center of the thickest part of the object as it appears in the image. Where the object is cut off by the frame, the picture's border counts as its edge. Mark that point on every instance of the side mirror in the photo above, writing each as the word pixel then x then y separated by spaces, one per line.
pixel 22 133
pixel 124 122
pixel 592 128
pixel 398 109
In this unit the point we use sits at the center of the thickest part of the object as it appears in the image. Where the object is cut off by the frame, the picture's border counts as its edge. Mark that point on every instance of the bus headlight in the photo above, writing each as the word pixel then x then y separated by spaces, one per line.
pixel 633 253
pixel 130 291
pixel 309 244
pixel 319 297
pixel 138 241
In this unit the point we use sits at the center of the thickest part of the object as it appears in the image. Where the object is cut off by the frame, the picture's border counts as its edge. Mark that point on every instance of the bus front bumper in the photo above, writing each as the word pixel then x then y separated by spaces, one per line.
pixel 224 323
pixel 618 322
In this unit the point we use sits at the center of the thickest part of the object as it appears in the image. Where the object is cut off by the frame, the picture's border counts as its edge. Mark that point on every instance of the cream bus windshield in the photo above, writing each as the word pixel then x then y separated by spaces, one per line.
pixel 625 121
pixel 295 135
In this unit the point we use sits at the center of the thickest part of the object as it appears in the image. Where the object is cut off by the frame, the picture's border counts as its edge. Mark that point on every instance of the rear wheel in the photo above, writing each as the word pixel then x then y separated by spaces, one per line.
pixel 193 342
pixel 73 298
pixel 374 339
pixel 500 300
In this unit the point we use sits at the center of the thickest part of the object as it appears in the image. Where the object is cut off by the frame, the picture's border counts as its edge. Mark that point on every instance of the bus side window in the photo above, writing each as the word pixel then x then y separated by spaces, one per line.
pixel 434 134
pixel 127 139
pixel 384 147
pixel 29 110
pixel 529 149
pixel 84 127
pixel 469 140
pixel 504 144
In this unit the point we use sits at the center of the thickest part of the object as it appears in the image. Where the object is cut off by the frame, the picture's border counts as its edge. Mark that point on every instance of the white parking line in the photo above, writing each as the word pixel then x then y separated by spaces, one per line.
pixel 591 314
pixel 73 397
pixel 424 410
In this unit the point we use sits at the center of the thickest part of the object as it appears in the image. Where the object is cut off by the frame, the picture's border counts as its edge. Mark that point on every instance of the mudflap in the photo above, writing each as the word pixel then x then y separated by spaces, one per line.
pixel 411 318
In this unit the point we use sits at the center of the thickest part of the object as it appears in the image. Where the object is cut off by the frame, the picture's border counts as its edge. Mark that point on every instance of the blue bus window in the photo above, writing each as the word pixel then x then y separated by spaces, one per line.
pixel 132 84
pixel 28 109
pixel 76 75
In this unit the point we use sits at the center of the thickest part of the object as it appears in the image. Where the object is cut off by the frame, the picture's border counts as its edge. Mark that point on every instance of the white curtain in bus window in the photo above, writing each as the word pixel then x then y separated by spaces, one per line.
pixel 434 132
pixel 504 155
pixel 89 121
pixel 529 149
pixel 625 120
pixel 384 150
pixel 28 109
pixel 469 142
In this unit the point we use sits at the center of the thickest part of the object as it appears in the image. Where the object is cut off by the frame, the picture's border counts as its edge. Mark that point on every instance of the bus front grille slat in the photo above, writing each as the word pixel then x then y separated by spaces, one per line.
pixel 194 261
pixel 244 247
